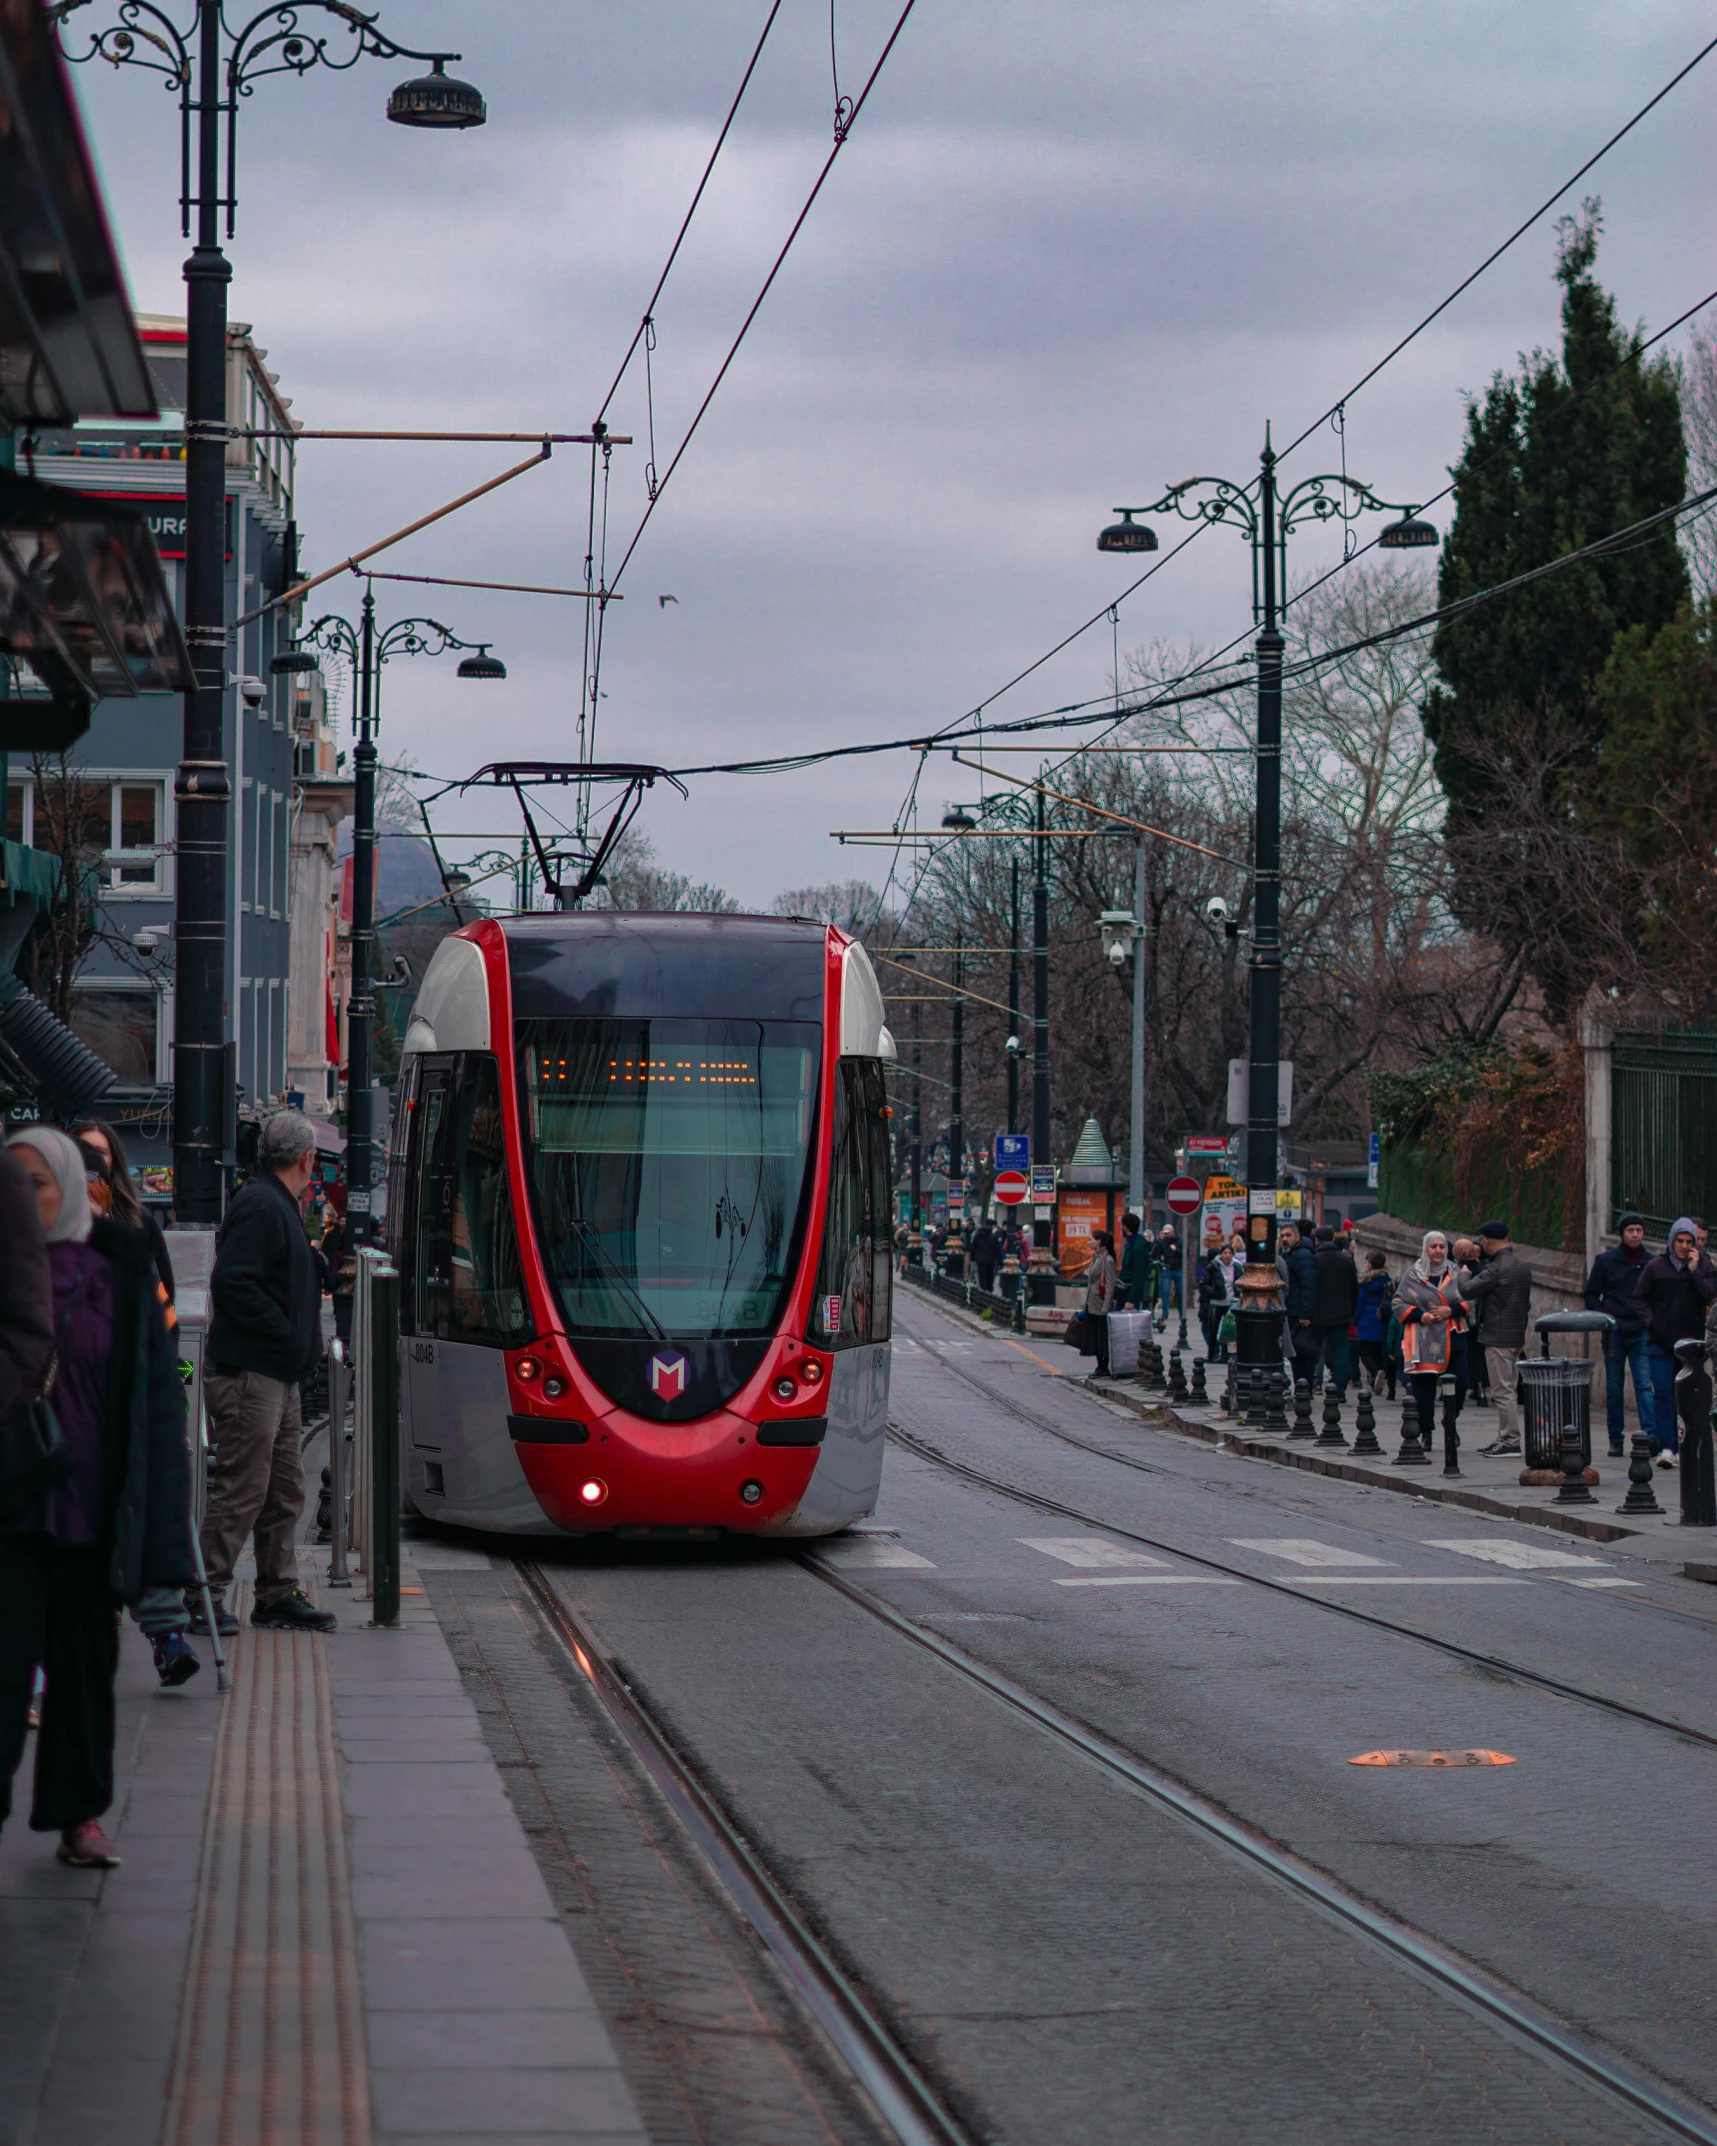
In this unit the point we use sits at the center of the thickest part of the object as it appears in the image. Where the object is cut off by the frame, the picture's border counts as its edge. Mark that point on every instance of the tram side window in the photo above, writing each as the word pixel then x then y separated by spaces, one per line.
pixel 467 1284
pixel 485 1297
pixel 854 1274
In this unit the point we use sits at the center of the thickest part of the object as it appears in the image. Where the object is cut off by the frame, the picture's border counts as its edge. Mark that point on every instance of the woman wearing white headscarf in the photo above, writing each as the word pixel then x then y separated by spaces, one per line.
pixel 1433 1317
pixel 116 1520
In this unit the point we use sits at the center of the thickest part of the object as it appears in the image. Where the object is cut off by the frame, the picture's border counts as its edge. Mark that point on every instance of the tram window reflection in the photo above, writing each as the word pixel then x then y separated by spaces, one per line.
pixel 855 1273
pixel 668 1165
pixel 468 1283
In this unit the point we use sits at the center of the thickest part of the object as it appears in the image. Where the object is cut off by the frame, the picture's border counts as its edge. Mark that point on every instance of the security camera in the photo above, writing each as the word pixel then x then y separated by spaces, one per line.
pixel 253 691
pixel 1012 1046
pixel 1217 909
pixel 1117 954
pixel 147 939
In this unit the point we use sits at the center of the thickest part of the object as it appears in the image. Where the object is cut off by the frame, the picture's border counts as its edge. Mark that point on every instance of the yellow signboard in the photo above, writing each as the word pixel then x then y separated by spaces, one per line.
pixel 1223 1188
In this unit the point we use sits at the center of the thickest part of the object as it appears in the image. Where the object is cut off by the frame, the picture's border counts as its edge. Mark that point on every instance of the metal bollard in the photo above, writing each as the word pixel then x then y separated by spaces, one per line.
pixel 383 1369
pixel 1574 1490
pixel 1411 1453
pixel 1303 1410
pixel 1365 1425
pixel 1448 1393
pixel 1641 1497
pixel 339 1517
pixel 1693 1406
pixel 1199 1393
pixel 1331 1434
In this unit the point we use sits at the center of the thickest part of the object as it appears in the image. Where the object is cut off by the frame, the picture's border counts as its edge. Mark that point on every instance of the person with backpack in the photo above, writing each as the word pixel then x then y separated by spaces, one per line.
pixel 1371 1324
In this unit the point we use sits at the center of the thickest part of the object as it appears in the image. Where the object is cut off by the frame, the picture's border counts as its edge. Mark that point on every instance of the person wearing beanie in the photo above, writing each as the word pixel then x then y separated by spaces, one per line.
pixel 1675 1290
pixel 1611 1287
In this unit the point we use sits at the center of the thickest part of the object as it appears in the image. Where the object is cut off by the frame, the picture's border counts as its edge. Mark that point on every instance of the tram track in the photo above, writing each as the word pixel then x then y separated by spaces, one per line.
pixel 1501 2006
pixel 1476 1656
pixel 908 2105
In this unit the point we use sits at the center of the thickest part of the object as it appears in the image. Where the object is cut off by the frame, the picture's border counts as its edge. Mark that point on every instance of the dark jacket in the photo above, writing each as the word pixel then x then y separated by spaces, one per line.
pixel 1501 1296
pixel 1335 1295
pixel 265 1310
pixel 1218 1286
pixel 1674 1298
pixel 985 1247
pixel 1610 1287
pixel 1302 1290
pixel 1376 1294
pixel 148 1477
pixel 1136 1270
pixel 26 1293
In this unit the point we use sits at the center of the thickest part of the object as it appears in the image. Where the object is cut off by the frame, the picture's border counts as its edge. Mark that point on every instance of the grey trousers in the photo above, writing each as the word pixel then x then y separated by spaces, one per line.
pixel 1501 1376
pixel 258 1483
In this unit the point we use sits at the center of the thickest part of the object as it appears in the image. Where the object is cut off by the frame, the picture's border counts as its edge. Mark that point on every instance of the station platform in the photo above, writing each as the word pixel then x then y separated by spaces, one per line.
pixel 328 1926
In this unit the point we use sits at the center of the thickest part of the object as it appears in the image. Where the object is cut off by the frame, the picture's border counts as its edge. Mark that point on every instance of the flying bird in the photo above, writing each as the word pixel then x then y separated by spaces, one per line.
pixel 662 602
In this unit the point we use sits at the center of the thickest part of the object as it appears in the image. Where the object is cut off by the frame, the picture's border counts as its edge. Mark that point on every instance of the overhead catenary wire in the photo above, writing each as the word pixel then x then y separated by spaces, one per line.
pixel 1520 230
pixel 757 303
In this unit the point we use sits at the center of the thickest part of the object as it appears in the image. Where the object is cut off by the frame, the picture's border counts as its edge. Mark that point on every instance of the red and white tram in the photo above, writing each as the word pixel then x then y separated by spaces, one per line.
pixel 640 1207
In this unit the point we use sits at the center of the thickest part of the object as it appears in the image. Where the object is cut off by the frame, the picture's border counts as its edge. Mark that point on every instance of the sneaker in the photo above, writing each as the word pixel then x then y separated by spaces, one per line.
pixel 226 1624
pixel 87 1847
pixel 1502 1445
pixel 175 1662
pixel 1666 1459
pixel 294 1613
pixel 1616 1450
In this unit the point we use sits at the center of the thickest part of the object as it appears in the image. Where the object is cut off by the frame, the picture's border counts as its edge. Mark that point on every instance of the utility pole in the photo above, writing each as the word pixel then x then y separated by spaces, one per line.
pixel 955 1256
pixel 1138 1178
pixel 915 1230
pixel 1040 1284
pixel 1012 1045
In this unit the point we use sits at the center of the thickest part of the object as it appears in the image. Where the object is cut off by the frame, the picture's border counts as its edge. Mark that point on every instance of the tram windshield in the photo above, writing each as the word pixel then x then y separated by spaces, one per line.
pixel 668 1164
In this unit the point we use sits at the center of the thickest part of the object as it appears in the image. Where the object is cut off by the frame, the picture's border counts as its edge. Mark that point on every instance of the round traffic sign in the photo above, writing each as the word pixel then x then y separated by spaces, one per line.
pixel 1184 1195
pixel 1011 1187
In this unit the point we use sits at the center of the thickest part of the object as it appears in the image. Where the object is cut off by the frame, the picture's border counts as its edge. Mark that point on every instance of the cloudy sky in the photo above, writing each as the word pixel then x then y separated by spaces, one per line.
pixel 1070 254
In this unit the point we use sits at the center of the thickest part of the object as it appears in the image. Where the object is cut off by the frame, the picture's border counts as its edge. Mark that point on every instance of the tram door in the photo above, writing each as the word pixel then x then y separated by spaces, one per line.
pixel 464 1302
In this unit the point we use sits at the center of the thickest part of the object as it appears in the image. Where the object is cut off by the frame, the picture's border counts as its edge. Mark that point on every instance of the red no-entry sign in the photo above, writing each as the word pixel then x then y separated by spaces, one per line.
pixel 1185 1195
pixel 1011 1187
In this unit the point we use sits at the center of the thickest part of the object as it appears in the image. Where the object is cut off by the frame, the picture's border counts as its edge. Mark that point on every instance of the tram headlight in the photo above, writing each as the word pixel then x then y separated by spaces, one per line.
pixel 528 1368
pixel 811 1371
pixel 553 1388
pixel 785 1389
pixel 593 1492
pixel 751 1491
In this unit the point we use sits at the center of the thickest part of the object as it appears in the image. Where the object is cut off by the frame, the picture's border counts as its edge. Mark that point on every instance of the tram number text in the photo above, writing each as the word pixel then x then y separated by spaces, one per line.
pixel 423 1352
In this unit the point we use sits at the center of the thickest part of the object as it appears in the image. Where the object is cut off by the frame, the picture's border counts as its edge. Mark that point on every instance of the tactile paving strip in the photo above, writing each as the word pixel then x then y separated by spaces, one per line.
pixel 270 2048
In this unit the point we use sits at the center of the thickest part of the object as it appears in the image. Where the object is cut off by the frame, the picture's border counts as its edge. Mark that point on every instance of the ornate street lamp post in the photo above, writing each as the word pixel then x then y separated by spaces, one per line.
pixel 366 651
pixel 1265 519
pixel 212 67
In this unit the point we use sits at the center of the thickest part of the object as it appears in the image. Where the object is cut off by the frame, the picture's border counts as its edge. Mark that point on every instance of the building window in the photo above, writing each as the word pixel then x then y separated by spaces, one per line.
pixel 119 824
pixel 121 1024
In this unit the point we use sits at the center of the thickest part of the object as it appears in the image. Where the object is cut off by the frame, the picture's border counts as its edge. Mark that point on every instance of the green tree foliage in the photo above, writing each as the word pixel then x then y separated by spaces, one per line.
pixel 1653 795
pixel 1541 475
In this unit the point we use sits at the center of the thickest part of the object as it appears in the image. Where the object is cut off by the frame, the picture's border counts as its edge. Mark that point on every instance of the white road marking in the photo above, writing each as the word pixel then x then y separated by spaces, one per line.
pixel 1568 1580
pixel 1517 1556
pixel 1147 1579
pixel 1302 1552
pixel 1092 1552
pixel 1403 1579
pixel 872 1553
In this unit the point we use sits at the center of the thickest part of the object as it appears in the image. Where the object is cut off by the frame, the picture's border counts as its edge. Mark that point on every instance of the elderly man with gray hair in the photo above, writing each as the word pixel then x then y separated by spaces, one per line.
pixel 265 1333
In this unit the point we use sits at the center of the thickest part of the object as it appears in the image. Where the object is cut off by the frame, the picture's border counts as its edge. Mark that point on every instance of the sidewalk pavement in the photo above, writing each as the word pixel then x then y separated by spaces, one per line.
pixel 328 1926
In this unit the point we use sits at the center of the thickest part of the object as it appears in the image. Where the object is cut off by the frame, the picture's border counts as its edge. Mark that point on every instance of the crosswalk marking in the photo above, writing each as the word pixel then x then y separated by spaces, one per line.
pixel 1299 1551
pixel 1146 1579
pixel 1092 1551
pixel 1568 1580
pixel 872 1553
pixel 1405 1579
pixel 1517 1556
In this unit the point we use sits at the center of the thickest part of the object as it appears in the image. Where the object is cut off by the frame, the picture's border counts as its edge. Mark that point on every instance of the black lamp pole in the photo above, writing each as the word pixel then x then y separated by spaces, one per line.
pixel 1040 1284
pixel 1265 519
pixel 1012 1047
pixel 210 85
pixel 366 651
pixel 956 1251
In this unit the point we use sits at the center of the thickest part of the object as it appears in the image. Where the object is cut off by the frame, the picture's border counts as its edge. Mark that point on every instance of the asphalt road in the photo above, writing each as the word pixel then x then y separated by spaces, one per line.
pixel 1064 1959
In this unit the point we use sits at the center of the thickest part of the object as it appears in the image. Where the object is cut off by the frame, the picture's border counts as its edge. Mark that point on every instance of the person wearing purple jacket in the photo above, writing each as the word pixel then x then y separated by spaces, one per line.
pixel 117 1520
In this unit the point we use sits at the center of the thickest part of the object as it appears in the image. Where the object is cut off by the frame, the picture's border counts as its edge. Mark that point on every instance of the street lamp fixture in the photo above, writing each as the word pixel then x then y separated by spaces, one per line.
pixel 437 99
pixel 293 663
pixel 482 664
pixel 211 66
pixel 1127 534
pixel 1408 534
pixel 959 821
pixel 1264 515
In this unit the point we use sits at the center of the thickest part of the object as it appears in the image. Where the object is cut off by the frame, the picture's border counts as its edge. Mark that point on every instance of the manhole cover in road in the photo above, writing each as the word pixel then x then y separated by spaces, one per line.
pixel 1432 1758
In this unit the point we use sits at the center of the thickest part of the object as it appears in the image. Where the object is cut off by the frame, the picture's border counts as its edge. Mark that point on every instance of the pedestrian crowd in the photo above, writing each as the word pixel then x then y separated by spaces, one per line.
pixel 95 1456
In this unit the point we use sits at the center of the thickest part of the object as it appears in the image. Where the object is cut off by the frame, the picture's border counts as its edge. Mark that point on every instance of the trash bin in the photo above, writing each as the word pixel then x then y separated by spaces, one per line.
pixel 1129 1331
pixel 1557 1392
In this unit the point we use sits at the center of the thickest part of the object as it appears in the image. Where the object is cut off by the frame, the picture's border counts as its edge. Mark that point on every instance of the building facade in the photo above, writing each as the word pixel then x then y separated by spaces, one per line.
pixel 112 794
